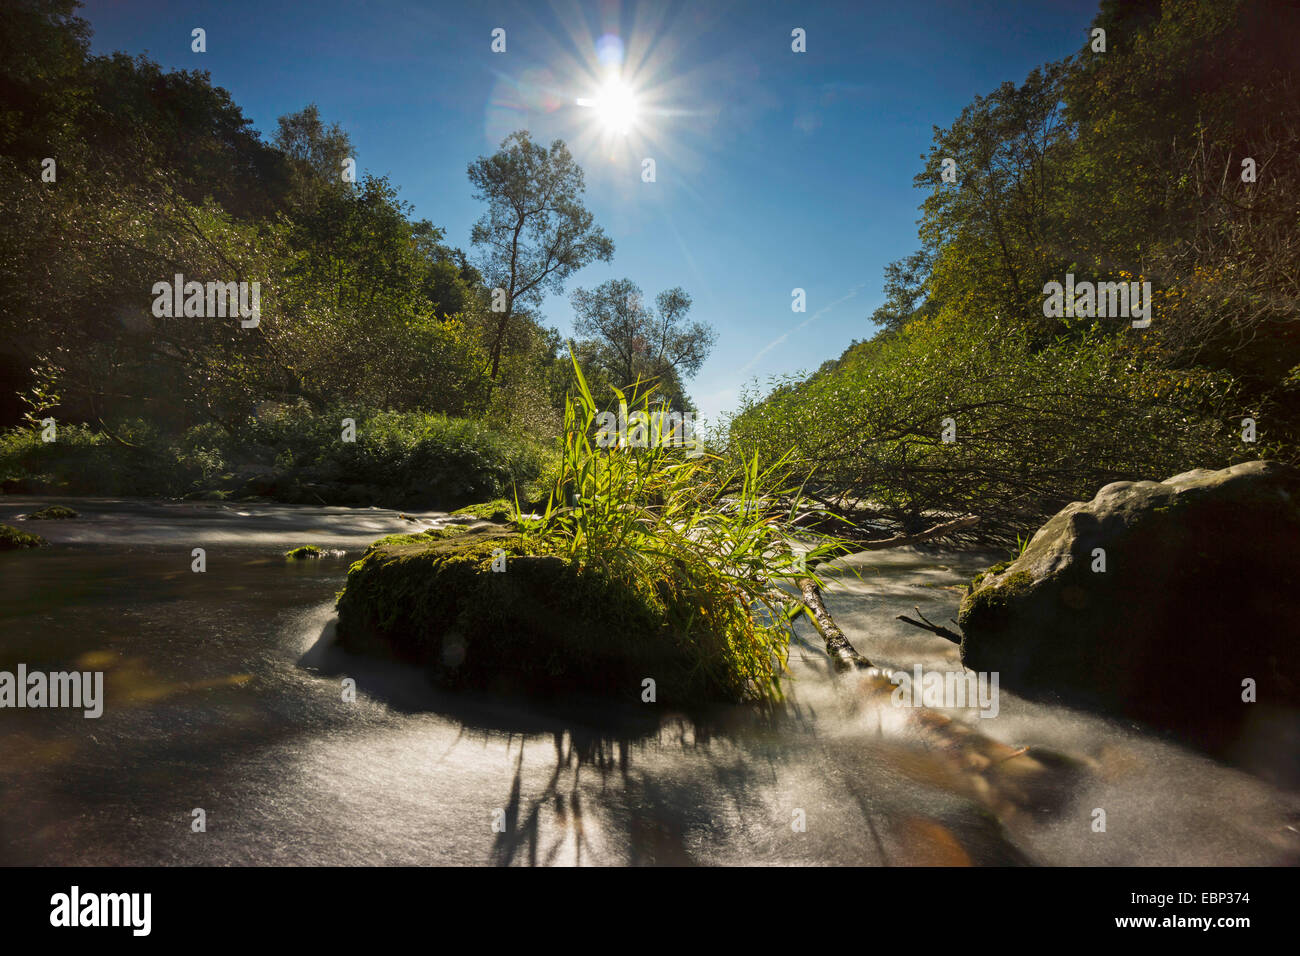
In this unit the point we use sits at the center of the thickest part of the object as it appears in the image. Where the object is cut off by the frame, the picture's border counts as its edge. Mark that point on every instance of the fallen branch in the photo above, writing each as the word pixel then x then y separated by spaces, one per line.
pixel 902 540
pixel 932 628
pixel 1006 778
pixel 842 654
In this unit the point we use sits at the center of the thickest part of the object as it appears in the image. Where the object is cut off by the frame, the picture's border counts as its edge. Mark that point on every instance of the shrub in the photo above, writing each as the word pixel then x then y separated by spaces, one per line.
pixel 1037 424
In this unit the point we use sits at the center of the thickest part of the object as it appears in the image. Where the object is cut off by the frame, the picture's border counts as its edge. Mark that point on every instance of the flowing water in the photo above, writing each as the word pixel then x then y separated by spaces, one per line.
pixel 223 693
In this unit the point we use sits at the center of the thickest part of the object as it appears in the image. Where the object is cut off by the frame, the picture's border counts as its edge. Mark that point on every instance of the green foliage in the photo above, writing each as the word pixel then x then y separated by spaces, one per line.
pixel 160 173
pixel 398 458
pixel 417 458
pixel 1037 425
pixel 703 541
pixel 633 345
pixel 1117 167
pixel 87 462
pixel 536 232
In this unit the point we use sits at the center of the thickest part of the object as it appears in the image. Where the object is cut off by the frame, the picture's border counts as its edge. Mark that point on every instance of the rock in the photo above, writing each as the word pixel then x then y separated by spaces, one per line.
pixel 498 510
pixel 543 626
pixel 1201 590
pixel 53 513
pixel 12 539
pixel 305 552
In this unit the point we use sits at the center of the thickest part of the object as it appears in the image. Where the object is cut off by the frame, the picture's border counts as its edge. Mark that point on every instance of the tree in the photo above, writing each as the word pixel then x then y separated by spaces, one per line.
pixel 634 343
pixel 994 235
pixel 904 291
pixel 316 153
pixel 536 232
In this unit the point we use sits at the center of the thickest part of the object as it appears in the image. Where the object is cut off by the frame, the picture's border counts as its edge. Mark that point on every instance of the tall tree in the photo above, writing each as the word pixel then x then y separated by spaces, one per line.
pixel 991 232
pixel 634 342
pixel 316 153
pixel 536 232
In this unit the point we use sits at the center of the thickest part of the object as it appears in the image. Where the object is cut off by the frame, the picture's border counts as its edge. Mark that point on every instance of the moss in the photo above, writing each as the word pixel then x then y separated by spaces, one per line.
pixel 545 626
pixel 996 569
pixel 499 510
pixel 306 551
pixel 11 539
pixel 53 512
pixel 994 596
pixel 418 537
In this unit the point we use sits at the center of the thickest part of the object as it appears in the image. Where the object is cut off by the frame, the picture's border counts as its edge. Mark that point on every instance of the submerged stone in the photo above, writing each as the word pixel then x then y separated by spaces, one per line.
pixel 53 512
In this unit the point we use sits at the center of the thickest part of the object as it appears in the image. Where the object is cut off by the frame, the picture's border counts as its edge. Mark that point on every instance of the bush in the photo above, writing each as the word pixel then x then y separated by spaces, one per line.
pixel 417 459
pixel 1037 424
pixel 645 562
pixel 706 540
pixel 81 461
pixel 408 459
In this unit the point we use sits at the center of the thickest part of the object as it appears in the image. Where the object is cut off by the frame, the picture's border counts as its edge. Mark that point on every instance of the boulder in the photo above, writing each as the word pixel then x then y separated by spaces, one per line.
pixel 12 539
pixel 53 513
pixel 478 611
pixel 1155 600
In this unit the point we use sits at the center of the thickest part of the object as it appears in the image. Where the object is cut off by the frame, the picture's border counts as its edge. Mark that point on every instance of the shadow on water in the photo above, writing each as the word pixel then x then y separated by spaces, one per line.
pixel 700 768
pixel 588 739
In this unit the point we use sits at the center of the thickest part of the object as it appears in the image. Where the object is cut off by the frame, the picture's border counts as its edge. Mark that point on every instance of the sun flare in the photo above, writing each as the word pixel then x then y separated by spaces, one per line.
pixel 614 106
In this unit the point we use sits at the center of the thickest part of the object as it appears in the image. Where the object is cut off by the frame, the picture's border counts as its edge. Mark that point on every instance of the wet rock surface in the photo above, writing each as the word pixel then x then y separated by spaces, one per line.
pixel 1157 600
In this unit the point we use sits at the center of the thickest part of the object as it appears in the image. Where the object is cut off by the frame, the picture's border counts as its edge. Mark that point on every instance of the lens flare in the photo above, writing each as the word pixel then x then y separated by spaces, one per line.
pixel 614 106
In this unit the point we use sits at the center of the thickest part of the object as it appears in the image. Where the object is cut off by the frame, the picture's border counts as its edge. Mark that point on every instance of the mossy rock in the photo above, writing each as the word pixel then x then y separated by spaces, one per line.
pixel 53 513
pixel 992 591
pixel 544 626
pixel 11 539
pixel 305 552
pixel 996 569
pixel 500 510
pixel 417 537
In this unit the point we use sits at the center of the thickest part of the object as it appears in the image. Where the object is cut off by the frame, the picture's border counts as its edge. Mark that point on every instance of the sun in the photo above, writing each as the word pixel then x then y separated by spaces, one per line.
pixel 614 106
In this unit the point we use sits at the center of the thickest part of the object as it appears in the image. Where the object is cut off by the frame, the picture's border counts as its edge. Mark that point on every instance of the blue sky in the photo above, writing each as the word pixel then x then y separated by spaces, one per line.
pixel 774 169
